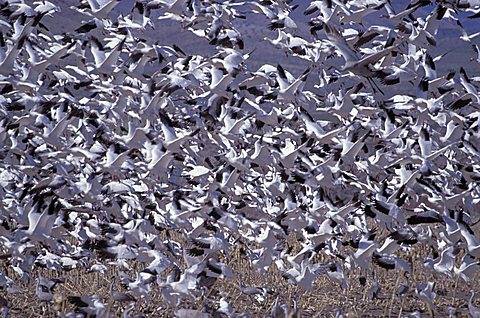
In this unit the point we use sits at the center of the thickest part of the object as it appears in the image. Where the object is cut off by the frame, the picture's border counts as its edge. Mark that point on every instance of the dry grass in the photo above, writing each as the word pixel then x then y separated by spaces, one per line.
pixel 323 300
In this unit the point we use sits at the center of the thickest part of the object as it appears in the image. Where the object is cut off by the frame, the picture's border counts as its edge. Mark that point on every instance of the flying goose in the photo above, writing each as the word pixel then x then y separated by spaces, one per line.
pixel 105 62
pixel 472 243
pixel 8 58
pixel 443 264
pixel 467 269
pixel 361 67
pixel 99 9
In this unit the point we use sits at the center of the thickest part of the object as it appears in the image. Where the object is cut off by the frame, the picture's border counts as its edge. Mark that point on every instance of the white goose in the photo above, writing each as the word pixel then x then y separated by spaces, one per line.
pixel 99 9
pixel 359 66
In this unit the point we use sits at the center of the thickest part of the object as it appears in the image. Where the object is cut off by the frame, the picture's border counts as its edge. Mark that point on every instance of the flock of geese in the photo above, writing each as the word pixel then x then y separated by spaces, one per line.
pixel 117 149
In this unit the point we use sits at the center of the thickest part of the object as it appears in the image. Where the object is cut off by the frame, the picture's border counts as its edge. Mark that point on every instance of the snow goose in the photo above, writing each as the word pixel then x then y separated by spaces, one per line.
pixel 469 266
pixel 99 9
pixel 425 292
pixel 473 246
pixel 361 67
pixel 44 288
pixel 443 264
pixel 105 62
pixel 472 309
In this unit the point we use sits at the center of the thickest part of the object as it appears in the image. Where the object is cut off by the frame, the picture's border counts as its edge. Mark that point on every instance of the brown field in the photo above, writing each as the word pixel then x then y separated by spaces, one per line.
pixel 323 300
